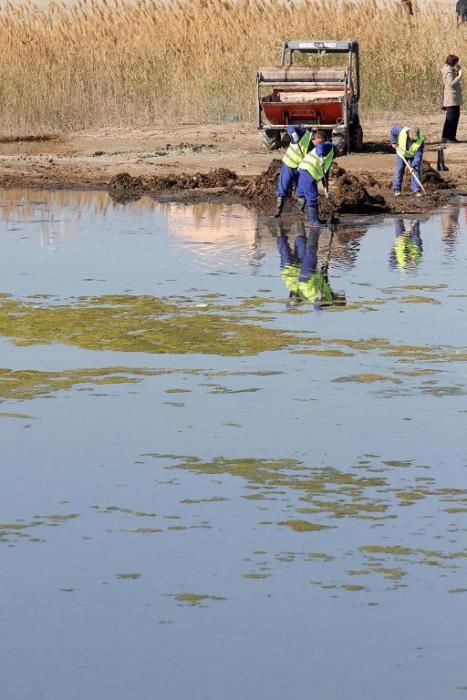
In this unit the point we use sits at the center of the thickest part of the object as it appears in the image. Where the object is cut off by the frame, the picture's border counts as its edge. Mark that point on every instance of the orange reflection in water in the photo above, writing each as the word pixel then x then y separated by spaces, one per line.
pixel 200 223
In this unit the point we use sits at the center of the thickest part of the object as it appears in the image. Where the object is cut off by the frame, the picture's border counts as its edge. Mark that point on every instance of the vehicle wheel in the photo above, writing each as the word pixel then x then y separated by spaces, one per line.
pixel 356 137
pixel 272 139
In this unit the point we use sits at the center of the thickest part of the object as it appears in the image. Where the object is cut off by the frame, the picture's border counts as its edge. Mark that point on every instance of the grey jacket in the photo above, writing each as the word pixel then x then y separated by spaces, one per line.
pixel 452 96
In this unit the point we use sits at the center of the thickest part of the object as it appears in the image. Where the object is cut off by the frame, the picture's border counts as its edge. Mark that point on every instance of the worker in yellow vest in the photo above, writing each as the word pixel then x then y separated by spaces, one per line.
pixel 409 143
pixel 300 143
pixel 313 169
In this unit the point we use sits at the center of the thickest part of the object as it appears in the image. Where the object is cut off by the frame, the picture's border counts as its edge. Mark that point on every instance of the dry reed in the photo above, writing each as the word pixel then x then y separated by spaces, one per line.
pixel 107 62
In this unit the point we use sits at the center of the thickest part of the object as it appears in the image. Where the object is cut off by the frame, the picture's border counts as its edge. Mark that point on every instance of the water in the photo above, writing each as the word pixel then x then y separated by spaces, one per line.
pixel 187 513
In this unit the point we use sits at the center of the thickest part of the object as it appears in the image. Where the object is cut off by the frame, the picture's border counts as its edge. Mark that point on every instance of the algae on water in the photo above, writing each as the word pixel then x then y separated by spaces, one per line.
pixel 142 324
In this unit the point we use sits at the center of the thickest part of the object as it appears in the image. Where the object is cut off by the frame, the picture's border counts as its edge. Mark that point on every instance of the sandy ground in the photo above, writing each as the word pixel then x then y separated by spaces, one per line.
pixel 90 159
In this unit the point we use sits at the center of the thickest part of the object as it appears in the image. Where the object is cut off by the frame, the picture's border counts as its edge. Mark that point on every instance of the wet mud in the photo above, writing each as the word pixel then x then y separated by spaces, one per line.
pixel 348 193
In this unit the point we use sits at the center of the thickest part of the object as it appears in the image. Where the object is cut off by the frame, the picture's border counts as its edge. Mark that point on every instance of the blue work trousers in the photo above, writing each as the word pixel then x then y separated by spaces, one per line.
pixel 401 228
pixel 307 187
pixel 287 256
pixel 399 175
pixel 287 177
pixel 310 258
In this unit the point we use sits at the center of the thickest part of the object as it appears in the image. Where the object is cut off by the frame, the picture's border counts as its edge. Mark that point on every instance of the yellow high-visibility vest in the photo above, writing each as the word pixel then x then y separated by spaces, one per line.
pixel 317 288
pixel 316 166
pixel 402 144
pixel 297 151
pixel 290 275
pixel 407 252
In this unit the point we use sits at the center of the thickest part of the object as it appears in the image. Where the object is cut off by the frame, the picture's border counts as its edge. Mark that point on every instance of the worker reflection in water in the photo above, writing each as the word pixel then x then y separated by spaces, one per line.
pixel 300 143
pixel 300 270
pixel 408 247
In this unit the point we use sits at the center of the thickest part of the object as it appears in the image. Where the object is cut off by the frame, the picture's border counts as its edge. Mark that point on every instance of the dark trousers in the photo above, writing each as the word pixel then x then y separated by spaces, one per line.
pixel 451 122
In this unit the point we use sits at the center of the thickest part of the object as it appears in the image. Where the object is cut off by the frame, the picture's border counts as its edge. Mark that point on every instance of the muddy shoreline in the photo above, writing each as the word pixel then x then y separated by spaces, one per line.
pixel 219 163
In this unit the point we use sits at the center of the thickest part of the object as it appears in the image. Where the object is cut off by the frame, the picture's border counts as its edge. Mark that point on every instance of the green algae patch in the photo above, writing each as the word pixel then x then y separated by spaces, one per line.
pixel 322 490
pixel 414 299
pixel 226 390
pixel 366 378
pixel 417 287
pixel 256 575
pixel 324 353
pixel 130 576
pixel 356 509
pixel 395 550
pixel 141 324
pixel 361 345
pixel 15 415
pixel 14 527
pixel 194 599
pixel 319 555
pixel 214 499
pixel 358 572
pixel 410 496
pixel 352 587
pixel 29 384
pixel 303 525
pixel 391 573
pixel 401 463
pixel 284 473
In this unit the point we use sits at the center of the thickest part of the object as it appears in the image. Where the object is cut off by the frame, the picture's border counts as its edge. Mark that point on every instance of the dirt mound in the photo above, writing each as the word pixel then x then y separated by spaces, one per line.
pixel 263 188
pixel 347 192
pixel 126 188
pixel 124 185
pixel 432 180
pixel 221 177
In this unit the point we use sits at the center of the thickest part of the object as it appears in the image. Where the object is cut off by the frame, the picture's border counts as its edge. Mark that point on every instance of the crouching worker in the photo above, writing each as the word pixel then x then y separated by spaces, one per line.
pixel 301 273
pixel 300 143
pixel 408 144
pixel 313 169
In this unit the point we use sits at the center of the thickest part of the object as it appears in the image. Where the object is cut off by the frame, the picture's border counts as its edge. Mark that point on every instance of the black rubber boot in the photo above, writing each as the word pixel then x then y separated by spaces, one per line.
pixel 313 217
pixel 280 201
pixel 301 205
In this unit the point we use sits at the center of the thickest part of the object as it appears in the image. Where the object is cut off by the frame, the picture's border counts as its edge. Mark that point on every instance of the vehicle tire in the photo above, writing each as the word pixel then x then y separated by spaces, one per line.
pixel 356 137
pixel 272 139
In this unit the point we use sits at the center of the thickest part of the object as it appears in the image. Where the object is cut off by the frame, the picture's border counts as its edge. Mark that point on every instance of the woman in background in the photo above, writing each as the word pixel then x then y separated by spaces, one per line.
pixel 452 97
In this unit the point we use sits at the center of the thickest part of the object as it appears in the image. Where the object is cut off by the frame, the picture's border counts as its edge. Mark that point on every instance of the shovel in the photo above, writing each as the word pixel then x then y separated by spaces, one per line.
pixel 411 170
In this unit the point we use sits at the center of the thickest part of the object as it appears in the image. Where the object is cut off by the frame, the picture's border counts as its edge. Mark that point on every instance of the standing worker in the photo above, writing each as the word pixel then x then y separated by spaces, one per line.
pixel 452 97
pixel 408 144
pixel 300 143
pixel 314 168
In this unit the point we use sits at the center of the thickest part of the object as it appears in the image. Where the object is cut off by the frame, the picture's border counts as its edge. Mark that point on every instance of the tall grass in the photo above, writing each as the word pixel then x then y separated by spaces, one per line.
pixel 107 62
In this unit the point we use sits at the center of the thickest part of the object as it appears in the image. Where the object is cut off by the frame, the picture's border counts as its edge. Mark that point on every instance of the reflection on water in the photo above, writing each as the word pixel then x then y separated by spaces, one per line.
pixel 450 228
pixel 407 251
pixel 198 480
pixel 306 279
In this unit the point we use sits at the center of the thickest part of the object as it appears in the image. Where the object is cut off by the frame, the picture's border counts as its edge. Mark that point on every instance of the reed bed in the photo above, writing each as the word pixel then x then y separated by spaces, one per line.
pixel 109 62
